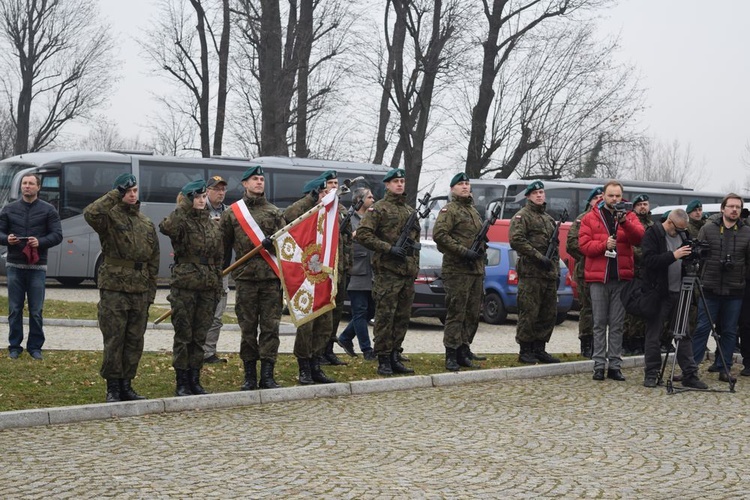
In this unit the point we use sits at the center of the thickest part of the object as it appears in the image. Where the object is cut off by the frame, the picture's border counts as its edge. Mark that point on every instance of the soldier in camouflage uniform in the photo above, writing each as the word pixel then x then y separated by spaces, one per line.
pixel 395 270
pixel 635 327
pixel 258 288
pixel 127 282
pixel 585 319
pixel 196 282
pixel 456 227
pixel 530 233
pixel 694 210
pixel 312 337
pixel 345 264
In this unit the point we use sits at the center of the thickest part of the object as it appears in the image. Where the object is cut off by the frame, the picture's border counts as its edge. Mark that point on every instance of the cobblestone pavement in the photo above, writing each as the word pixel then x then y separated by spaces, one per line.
pixel 554 437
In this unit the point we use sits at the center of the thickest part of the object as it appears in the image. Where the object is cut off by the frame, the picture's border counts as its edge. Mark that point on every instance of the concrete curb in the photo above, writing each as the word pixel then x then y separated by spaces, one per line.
pixel 72 414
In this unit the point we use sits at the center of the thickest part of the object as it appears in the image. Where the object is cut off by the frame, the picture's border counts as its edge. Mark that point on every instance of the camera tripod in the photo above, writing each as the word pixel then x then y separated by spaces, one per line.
pixel 690 282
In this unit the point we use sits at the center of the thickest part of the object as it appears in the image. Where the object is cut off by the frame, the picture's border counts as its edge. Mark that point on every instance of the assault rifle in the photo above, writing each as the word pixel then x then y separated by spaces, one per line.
pixel 345 221
pixel 404 240
pixel 554 241
pixel 479 240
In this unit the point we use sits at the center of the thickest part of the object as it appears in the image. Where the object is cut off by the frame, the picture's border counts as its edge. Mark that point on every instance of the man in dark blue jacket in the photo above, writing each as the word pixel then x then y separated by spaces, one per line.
pixel 28 227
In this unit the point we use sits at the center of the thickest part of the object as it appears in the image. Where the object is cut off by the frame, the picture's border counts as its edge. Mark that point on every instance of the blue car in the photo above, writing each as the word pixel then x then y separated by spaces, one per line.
pixel 501 286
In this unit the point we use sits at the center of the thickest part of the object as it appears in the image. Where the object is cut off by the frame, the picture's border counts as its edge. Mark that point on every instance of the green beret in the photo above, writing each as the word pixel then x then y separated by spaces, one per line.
pixel 665 215
pixel 396 173
pixel 597 191
pixel 316 184
pixel 125 181
pixel 256 170
pixel 533 187
pixel 192 188
pixel 640 198
pixel 693 205
pixel 458 178
pixel 329 174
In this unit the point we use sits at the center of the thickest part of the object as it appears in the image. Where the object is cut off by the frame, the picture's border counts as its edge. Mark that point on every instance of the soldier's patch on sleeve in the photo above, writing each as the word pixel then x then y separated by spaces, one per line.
pixel 517 217
pixel 443 209
pixel 371 209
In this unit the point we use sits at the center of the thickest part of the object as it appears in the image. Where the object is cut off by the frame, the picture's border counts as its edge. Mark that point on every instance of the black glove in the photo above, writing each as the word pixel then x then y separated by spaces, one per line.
pixel 125 182
pixel 268 244
pixel 470 254
pixel 546 263
pixel 398 252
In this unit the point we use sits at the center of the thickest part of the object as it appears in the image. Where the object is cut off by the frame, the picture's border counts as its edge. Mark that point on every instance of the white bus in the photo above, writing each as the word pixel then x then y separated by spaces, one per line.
pixel 72 180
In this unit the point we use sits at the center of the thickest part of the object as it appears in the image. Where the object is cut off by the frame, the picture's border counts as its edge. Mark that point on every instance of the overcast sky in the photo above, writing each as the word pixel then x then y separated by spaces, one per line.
pixel 691 56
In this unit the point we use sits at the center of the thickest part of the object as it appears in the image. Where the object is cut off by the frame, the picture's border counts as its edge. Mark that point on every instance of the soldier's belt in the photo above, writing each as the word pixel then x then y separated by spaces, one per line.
pixel 195 260
pixel 130 264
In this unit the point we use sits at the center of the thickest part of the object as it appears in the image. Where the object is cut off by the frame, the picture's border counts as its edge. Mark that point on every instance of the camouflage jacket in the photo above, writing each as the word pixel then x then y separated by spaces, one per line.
pixel 694 227
pixel 646 222
pixel 234 237
pixel 198 250
pixel 379 230
pixel 129 245
pixel 571 245
pixel 530 232
pixel 457 224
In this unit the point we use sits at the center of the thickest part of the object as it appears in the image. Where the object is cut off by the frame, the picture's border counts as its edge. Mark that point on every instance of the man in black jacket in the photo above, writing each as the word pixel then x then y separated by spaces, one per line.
pixel 28 227
pixel 663 250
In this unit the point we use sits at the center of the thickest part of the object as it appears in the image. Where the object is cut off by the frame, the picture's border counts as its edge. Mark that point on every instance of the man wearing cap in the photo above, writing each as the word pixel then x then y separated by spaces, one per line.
pixel 530 234
pixel 457 224
pixel 585 319
pixel 395 270
pixel 606 238
pixel 635 326
pixel 28 228
pixel 694 210
pixel 127 282
pixel 248 223
pixel 196 282
pixel 217 191
pixel 312 337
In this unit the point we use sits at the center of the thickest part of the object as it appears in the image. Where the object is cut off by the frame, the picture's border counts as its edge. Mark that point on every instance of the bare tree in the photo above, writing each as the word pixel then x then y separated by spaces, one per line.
pixel 7 134
pixel 56 66
pixel 666 162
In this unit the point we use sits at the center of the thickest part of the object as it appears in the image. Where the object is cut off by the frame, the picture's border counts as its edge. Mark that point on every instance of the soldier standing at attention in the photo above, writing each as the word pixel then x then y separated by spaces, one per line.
pixel 585 319
pixel 530 233
pixel 457 224
pixel 312 337
pixel 127 282
pixel 694 210
pixel 248 223
pixel 196 282
pixel 394 268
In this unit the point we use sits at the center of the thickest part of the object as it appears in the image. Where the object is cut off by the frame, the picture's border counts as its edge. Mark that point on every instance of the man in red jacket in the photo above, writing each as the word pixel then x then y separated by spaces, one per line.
pixel 607 235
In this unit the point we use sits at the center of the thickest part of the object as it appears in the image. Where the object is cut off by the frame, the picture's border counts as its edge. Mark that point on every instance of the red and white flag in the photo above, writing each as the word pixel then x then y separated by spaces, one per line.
pixel 307 255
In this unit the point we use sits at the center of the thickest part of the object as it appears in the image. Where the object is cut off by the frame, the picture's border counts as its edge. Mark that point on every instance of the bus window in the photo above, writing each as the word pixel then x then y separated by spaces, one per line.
pixel 161 182
pixel 659 199
pixel 286 187
pixel 50 189
pixel 559 200
pixel 86 182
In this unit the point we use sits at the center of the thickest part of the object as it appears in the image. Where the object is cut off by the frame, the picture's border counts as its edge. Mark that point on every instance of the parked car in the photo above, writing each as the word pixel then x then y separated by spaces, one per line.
pixel 501 286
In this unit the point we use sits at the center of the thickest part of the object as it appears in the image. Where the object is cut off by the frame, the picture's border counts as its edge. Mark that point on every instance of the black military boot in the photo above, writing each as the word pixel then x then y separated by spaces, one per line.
pixel 587 347
pixel 113 390
pixel 463 357
pixel 318 376
pixel 396 364
pixel 475 357
pixel 127 393
pixel 266 375
pixel 384 365
pixel 331 356
pixel 541 354
pixel 305 378
pixel 195 381
pixel 251 377
pixel 526 353
pixel 182 383
pixel 450 360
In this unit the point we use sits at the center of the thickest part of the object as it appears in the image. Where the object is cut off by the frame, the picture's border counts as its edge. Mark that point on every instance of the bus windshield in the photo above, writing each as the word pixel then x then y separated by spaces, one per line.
pixel 7 172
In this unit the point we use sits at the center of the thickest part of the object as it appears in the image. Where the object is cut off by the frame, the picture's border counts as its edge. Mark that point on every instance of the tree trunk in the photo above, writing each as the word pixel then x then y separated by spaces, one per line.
pixel 303 48
pixel 396 45
pixel 221 98
pixel 273 127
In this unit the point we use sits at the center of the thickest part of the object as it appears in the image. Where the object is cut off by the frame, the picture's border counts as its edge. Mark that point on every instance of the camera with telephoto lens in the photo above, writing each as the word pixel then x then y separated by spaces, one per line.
pixel 623 206
pixel 699 250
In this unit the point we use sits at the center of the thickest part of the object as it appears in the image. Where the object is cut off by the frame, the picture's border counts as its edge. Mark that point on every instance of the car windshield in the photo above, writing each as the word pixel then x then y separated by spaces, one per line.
pixel 429 257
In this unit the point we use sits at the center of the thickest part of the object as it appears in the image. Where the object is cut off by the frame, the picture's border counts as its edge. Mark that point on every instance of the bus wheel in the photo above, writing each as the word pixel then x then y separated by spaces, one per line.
pixel 70 281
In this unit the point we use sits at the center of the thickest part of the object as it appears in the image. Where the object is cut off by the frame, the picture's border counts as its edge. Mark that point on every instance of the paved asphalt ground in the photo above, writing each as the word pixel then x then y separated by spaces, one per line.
pixel 516 433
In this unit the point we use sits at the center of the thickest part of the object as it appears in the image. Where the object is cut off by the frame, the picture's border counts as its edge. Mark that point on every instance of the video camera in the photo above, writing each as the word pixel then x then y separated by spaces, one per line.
pixel 699 250
pixel 623 206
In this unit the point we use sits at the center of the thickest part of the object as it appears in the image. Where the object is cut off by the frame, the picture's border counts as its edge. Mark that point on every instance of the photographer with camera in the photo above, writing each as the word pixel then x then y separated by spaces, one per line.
pixel 607 236
pixel 723 281
pixel 664 251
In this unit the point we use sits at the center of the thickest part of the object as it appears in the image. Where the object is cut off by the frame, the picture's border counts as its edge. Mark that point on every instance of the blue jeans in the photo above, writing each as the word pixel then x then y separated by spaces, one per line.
pixel 362 303
pixel 723 310
pixel 25 284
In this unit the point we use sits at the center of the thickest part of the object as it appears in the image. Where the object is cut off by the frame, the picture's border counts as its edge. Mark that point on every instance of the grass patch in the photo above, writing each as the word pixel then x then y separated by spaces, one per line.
pixel 66 378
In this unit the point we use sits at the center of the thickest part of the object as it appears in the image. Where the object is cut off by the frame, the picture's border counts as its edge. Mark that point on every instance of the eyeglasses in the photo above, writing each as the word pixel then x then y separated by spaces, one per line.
pixel 218 188
pixel 678 228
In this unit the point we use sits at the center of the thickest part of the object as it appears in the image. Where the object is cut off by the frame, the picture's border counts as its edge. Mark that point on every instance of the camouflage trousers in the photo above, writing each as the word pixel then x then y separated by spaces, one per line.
pixel 122 320
pixel 537 309
pixel 462 292
pixel 585 316
pixel 393 295
pixel 192 316
pixel 313 336
pixel 258 305
pixel 635 327
pixel 336 313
